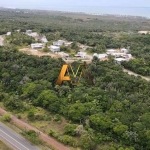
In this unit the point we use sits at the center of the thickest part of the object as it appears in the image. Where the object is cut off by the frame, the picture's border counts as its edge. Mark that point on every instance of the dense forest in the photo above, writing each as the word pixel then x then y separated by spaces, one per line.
pixel 112 112
pixel 115 109
pixel 99 32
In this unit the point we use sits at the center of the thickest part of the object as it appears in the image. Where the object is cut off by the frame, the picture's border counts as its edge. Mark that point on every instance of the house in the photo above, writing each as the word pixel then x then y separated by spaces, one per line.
pixel 68 43
pixel 128 57
pixel 28 31
pixel 58 43
pixel 118 54
pixel 44 39
pixel 37 46
pixel 8 33
pixel 63 54
pixel 144 32
pixel 124 50
pixel 33 34
pixel 81 55
pixel 54 48
pixel 101 56
pixel 18 30
pixel 111 51
pixel 119 60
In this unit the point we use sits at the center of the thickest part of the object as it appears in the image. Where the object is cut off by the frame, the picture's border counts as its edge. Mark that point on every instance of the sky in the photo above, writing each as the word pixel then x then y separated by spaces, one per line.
pixel 39 4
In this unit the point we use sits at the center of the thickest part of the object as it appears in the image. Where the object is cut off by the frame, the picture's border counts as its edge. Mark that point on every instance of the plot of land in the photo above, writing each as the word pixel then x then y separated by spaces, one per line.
pixel 30 51
pixel 39 53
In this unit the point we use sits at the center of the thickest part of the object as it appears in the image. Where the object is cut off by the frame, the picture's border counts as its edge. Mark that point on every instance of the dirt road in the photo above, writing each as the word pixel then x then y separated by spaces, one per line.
pixel 135 74
pixel 52 142
pixel 1 40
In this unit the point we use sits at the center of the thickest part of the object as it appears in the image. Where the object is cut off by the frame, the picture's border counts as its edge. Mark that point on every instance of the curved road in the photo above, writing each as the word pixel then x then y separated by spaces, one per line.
pixel 135 74
pixel 13 139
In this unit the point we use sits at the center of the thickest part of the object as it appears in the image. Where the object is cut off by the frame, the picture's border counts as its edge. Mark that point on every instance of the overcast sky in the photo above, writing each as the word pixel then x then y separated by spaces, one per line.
pixel 66 3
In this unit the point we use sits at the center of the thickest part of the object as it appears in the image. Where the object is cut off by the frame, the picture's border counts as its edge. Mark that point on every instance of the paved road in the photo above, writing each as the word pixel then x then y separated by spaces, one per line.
pixel 14 139
pixel 49 140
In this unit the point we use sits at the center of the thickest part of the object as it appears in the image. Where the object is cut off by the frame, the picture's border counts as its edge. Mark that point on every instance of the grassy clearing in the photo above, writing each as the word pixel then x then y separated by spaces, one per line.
pixel 3 146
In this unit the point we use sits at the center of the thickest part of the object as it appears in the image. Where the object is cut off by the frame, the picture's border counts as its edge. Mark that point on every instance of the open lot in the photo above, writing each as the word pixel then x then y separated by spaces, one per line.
pixel 30 51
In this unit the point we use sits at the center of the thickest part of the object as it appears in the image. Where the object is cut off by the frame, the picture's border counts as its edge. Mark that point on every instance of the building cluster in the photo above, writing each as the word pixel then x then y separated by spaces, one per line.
pixel 119 55
pixel 35 35
pixel 57 44
pixel 56 49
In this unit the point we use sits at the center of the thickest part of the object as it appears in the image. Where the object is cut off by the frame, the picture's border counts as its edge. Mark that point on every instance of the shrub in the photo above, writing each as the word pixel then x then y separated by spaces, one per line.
pixel 30 115
pixel 57 118
pixel 70 129
pixel 6 117
pixel 68 140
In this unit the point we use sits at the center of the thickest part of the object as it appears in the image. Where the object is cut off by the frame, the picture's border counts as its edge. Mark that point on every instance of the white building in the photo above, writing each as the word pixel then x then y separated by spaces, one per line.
pixel 144 32
pixel 119 60
pixel 44 39
pixel 63 54
pixel 68 43
pixel 33 34
pixel 37 46
pixel 8 33
pixel 58 43
pixel 124 50
pixel 118 54
pixel 111 51
pixel 54 48
pixel 128 57
pixel 101 56
pixel 28 31
pixel 18 30
pixel 81 54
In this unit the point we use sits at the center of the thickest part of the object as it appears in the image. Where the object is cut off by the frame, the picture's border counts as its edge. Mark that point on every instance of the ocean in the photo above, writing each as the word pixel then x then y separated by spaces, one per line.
pixel 132 11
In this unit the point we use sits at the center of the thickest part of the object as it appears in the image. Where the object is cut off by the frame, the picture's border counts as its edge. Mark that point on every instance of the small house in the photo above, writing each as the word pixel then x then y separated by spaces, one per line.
pixel 119 60
pixel 81 55
pixel 68 43
pixel 111 51
pixel 144 32
pixel 54 49
pixel 28 31
pixel 8 33
pixel 124 50
pixel 101 56
pixel 58 43
pixel 44 39
pixel 118 54
pixel 37 46
pixel 63 54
